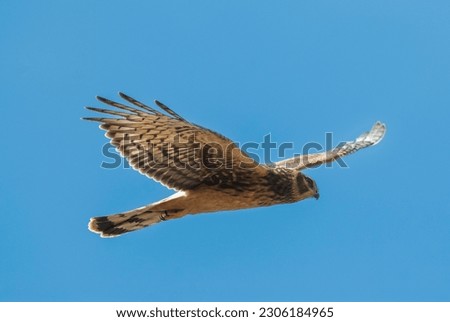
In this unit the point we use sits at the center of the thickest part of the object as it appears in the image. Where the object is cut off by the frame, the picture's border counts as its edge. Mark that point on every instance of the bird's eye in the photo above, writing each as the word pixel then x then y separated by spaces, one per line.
pixel 310 182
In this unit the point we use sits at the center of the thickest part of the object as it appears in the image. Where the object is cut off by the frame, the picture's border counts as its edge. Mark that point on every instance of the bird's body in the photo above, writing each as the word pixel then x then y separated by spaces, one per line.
pixel 209 171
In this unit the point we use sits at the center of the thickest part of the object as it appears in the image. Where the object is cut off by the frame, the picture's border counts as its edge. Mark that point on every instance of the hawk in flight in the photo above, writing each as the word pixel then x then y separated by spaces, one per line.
pixel 208 171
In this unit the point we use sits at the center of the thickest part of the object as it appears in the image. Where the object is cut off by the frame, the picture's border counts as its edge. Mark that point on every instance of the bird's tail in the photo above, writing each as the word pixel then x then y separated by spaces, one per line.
pixel 118 224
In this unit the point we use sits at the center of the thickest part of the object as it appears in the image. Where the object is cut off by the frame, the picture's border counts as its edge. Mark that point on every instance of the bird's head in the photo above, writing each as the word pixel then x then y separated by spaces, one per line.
pixel 307 187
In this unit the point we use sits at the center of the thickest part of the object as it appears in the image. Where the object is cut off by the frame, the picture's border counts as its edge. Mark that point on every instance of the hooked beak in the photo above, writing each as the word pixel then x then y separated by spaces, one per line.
pixel 317 195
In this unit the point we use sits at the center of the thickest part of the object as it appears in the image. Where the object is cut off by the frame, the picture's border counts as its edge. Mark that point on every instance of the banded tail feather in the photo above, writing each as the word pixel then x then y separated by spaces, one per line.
pixel 119 224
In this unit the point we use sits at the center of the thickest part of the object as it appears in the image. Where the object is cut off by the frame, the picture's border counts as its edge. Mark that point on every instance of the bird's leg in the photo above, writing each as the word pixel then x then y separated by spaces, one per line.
pixel 163 216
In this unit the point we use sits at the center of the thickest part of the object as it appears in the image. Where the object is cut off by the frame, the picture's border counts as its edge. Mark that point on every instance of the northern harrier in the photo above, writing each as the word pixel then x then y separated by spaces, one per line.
pixel 209 171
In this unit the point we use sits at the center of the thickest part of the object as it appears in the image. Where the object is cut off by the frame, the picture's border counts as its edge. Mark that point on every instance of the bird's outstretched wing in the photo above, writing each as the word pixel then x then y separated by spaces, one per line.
pixel 311 160
pixel 171 150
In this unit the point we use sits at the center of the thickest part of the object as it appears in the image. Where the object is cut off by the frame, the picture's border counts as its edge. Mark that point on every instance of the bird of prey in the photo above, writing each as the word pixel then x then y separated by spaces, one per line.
pixel 208 171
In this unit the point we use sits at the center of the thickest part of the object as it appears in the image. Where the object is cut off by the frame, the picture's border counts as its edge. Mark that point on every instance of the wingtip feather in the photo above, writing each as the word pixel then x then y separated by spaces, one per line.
pixel 123 95
pixel 377 132
pixel 93 119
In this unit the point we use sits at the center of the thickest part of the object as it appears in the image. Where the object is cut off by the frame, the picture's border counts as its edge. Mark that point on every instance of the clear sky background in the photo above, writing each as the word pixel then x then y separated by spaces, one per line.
pixel 295 69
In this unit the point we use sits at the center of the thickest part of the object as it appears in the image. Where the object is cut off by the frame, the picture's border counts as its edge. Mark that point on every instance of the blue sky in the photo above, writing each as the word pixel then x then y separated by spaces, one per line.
pixel 294 69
